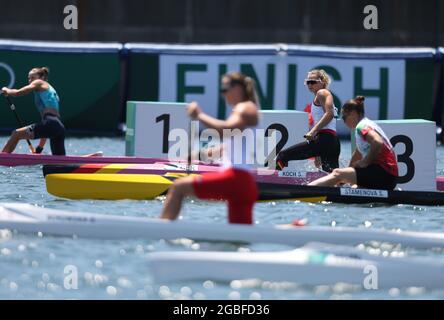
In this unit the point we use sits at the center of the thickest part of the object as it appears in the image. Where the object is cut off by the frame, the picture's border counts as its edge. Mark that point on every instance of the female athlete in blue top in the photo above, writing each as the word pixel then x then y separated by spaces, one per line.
pixel 47 103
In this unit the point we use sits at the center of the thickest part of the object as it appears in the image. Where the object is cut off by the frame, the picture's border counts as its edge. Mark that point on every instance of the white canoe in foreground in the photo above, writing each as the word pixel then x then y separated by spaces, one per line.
pixel 314 264
pixel 27 218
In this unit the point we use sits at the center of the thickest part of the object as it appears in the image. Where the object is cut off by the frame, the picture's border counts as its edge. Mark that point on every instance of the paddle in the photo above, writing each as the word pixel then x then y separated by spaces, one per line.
pixel 190 147
pixel 190 141
pixel 17 117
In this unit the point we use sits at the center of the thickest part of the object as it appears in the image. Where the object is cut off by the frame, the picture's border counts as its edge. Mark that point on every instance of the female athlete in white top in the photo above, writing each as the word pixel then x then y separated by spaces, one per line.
pixel 321 141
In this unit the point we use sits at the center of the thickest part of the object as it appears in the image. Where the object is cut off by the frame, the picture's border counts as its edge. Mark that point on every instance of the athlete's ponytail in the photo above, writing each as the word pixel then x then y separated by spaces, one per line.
pixel 360 100
pixel 42 72
pixel 356 104
pixel 250 90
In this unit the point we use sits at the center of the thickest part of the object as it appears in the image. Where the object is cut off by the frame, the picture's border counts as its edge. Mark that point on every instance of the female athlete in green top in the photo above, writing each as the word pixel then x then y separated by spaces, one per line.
pixel 47 103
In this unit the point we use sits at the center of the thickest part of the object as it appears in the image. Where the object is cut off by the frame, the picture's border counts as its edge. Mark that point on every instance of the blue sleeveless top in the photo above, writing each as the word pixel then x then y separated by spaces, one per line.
pixel 46 99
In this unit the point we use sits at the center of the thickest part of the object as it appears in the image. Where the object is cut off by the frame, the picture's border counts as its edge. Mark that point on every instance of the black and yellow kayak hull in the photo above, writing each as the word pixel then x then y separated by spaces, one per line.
pixel 149 186
pixel 109 186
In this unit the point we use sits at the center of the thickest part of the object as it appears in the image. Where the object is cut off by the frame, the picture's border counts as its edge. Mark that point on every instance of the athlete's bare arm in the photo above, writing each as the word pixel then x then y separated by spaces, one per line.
pixel 356 156
pixel 35 85
pixel 244 115
pixel 376 144
pixel 325 99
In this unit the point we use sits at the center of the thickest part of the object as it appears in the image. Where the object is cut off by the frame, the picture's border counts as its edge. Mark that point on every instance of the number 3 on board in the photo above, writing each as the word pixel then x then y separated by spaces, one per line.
pixel 405 157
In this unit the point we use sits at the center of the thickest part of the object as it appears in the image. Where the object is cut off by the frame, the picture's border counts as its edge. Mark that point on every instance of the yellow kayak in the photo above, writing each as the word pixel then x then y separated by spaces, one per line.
pixel 109 186
pixel 117 186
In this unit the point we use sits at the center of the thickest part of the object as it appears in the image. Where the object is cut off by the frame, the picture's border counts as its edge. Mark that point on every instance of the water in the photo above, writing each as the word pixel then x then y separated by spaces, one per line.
pixel 33 267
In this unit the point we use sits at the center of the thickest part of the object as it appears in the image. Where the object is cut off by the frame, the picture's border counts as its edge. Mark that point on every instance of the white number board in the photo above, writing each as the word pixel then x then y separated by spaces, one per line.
pixel 149 124
pixel 291 126
pixel 148 127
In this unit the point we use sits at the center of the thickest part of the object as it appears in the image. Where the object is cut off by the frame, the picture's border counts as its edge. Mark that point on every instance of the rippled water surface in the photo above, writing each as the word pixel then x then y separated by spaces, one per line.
pixel 32 267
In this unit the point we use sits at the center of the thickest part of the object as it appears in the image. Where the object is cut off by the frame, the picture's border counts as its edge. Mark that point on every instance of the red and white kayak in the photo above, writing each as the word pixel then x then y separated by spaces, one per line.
pixel 440 183
pixel 161 168
pixel 20 159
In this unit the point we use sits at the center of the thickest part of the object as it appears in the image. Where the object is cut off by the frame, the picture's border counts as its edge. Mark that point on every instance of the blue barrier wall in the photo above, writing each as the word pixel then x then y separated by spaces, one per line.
pixel 94 80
